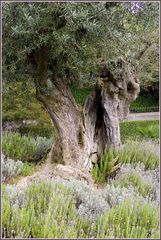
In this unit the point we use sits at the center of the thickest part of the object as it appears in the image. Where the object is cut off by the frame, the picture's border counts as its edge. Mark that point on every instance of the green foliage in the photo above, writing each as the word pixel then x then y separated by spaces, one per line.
pixel 10 168
pixel 134 152
pixel 47 210
pixel 78 35
pixel 25 148
pixel 42 129
pixel 19 103
pixel 135 180
pixel 101 170
pixel 143 103
pixel 147 60
pixel 129 221
pixel 80 94
pixel 151 131
pixel 132 130
pixel 144 50
pixel 56 26
pixel 26 169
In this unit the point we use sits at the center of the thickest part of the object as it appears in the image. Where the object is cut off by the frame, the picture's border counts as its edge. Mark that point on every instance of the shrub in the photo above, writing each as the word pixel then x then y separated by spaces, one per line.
pixel 146 183
pixel 51 210
pixel 25 148
pixel 19 103
pixel 136 181
pixel 144 109
pixel 115 195
pixel 42 147
pixel 10 168
pixel 90 202
pixel 101 170
pixel 26 169
pixel 42 129
pixel 144 152
pixel 129 220
pixel 145 104
pixel 133 152
pixel 47 210
pixel 18 147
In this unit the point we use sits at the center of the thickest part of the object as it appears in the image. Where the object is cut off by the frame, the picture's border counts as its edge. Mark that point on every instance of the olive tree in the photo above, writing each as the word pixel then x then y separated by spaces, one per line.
pixel 56 45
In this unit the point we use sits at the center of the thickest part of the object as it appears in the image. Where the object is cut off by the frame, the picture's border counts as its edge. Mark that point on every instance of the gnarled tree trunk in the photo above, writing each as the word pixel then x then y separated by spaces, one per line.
pixel 67 120
pixel 84 133
pixel 106 106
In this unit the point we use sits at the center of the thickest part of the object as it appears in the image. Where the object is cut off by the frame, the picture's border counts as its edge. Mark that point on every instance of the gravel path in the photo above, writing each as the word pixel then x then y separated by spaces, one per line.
pixel 143 116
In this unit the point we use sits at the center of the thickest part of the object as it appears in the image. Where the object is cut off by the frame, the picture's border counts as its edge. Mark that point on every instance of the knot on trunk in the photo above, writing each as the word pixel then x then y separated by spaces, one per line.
pixel 118 79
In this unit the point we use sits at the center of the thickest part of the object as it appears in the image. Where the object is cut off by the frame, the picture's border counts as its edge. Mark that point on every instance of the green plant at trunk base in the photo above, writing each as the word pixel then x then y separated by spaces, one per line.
pixel 133 152
pixel 101 171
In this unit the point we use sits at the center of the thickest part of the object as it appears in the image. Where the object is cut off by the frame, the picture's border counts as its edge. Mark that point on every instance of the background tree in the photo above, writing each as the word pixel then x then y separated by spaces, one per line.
pixel 145 42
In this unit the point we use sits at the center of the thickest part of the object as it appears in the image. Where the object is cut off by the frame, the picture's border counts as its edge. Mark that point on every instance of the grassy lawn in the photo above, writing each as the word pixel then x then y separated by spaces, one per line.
pixel 139 130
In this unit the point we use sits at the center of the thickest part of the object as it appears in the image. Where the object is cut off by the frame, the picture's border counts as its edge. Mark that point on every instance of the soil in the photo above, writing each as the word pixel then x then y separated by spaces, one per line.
pixel 51 171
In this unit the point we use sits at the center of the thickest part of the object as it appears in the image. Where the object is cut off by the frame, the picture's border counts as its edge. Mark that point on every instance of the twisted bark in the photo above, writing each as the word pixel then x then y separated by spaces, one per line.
pixel 107 105
pixel 83 134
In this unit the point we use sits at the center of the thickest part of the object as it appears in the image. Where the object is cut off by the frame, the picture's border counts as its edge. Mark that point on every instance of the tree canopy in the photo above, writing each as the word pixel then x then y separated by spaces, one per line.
pixel 78 36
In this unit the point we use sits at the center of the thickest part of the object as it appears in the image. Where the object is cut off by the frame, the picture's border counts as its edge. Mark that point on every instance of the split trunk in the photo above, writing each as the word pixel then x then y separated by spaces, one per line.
pixel 84 133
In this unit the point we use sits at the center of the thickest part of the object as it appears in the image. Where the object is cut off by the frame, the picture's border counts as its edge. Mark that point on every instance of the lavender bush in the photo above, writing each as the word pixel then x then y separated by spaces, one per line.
pixel 10 168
